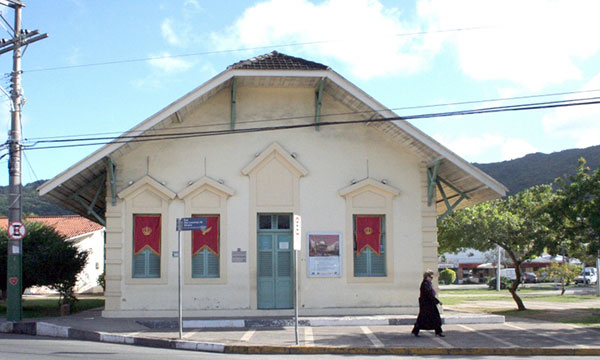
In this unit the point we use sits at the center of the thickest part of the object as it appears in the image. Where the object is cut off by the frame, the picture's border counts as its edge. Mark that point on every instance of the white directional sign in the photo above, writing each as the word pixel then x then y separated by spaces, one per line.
pixel 297 232
pixel 16 230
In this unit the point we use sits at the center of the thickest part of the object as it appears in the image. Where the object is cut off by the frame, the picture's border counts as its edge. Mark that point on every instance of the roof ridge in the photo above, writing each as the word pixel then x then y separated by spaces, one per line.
pixel 277 61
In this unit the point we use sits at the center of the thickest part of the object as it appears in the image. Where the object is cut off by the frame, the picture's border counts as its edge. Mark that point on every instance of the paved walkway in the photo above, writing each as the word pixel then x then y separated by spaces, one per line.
pixel 467 333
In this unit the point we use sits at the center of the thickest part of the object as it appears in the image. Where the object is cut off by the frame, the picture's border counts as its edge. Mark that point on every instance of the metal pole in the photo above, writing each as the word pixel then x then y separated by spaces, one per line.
pixel 598 274
pixel 14 311
pixel 296 295
pixel 498 282
pixel 180 318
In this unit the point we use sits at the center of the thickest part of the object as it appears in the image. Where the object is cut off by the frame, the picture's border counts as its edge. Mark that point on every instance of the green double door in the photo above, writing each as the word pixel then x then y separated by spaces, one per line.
pixel 275 262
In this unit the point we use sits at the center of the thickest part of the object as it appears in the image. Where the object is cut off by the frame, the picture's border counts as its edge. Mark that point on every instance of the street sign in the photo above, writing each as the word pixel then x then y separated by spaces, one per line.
pixel 297 232
pixel 16 230
pixel 193 223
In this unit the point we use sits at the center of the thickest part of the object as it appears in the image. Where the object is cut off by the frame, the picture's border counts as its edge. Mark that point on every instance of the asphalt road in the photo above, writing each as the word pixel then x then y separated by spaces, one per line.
pixel 21 347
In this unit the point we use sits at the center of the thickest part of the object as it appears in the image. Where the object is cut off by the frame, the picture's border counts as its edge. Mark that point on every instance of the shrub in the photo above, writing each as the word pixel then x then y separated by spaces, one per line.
pixel 102 280
pixel 448 276
pixel 505 283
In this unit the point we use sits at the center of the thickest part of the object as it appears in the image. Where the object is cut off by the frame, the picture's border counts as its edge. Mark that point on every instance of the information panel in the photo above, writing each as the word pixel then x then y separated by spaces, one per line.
pixel 324 254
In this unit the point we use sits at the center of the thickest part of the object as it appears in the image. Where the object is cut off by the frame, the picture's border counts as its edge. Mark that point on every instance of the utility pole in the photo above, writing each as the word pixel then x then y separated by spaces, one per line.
pixel 21 38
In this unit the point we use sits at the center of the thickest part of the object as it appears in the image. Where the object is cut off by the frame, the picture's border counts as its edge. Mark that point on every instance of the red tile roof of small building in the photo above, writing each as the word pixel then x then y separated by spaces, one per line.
pixel 277 61
pixel 68 225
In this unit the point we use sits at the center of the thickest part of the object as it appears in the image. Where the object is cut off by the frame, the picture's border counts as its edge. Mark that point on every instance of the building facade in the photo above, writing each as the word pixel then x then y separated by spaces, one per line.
pixel 269 138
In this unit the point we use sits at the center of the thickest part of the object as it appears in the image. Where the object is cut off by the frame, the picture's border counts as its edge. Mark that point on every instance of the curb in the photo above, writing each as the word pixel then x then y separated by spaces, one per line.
pixel 314 322
pixel 51 330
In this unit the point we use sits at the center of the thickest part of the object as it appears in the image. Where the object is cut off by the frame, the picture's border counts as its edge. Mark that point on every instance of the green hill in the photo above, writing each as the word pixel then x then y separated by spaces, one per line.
pixel 32 203
pixel 538 168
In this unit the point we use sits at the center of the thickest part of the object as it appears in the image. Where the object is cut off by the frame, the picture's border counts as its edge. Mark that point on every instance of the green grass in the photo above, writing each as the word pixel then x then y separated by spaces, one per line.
pixel 48 307
pixel 455 300
pixel 490 291
pixel 584 317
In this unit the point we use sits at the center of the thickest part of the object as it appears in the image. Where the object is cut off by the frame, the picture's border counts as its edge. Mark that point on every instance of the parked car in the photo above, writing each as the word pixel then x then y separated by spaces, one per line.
pixel 508 273
pixel 529 277
pixel 587 276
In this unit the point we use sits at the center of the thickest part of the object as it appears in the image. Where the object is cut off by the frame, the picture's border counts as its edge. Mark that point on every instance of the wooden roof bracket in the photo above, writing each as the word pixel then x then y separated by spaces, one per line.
pixel 112 172
pixel 449 208
pixel 233 100
pixel 433 180
pixel 432 173
pixel 90 207
pixel 319 102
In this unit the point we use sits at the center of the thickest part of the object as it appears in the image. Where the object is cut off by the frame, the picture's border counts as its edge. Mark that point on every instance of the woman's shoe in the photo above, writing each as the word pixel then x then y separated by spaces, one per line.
pixel 440 335
pixel 416 335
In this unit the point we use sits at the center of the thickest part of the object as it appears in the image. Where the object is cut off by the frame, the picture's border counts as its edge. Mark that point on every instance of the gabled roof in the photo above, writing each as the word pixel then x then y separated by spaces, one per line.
pixel 72 188
pixel 70 226
pixel 277 61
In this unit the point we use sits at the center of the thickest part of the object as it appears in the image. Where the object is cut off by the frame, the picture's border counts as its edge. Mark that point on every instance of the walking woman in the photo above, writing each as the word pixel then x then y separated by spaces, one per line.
pixel 429 315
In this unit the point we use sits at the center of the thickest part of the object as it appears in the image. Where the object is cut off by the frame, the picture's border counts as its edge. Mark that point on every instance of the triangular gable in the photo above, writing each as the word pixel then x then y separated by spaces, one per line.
pixel 147 182
pixel 276 149
pixel 275 65
pixel 206 182
pixel 369 184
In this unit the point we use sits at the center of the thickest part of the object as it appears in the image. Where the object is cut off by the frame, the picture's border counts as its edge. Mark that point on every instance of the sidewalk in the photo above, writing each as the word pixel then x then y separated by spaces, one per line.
pixel 466 334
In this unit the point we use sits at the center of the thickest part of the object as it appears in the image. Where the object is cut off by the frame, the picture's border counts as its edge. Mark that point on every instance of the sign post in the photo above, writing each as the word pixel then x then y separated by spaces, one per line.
pixel 185 224
pixel 297 248
pixel 16 233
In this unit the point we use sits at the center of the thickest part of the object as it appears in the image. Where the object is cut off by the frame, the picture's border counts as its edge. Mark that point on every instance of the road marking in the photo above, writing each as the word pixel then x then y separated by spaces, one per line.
pixel 537 332
pixel 247 335
pixel 441 342
pixel 189 334
pixel 371 336
pixel 309 339
pixel 504 342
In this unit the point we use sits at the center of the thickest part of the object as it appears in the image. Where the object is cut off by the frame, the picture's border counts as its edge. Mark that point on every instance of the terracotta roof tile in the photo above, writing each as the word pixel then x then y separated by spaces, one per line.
pixel 277 61
pixel 68 225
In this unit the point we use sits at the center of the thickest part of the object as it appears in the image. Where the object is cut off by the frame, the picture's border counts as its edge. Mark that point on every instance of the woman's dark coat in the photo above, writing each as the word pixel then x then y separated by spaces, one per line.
pixel 429 315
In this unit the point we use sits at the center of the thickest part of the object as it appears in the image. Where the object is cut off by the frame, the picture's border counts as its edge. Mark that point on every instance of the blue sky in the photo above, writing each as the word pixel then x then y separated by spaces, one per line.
pixel 402 53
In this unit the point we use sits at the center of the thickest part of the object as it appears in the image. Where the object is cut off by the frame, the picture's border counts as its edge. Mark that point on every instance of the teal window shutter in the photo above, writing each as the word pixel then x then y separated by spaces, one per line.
pixel 146 264
pixel 368 263
pixel 205 264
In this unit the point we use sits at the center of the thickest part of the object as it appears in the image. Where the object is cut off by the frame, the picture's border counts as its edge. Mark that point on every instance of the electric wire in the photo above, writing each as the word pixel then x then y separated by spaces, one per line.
pixel 183 135
pixel 262 47
pixel 374 111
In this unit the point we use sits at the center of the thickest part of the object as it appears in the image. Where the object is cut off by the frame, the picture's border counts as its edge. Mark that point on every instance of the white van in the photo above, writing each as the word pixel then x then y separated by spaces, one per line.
pixel 588 276
pixel 508 273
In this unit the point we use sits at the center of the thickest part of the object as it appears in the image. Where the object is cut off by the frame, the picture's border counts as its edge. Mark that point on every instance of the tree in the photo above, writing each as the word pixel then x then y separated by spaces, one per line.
pixel 448 276
pixel 48 260
pixel 565 273
pixel 519 225
pixel 576 213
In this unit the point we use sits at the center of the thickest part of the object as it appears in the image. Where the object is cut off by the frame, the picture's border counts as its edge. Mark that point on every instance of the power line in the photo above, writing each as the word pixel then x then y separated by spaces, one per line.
pixel 183 135
pixel 38 139
pixel 272 46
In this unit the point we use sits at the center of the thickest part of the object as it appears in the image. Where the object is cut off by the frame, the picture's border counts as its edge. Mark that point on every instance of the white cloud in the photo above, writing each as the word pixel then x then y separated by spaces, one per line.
pixel 169 33
pixel 487 146
pixel 580 123
pixel 360 33
pixel 167 64
pixel 516 148
pixel 533 43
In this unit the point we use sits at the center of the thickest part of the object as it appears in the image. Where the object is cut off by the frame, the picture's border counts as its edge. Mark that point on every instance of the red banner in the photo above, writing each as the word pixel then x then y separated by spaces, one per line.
pixel 368 233
pixel 207 238
pixel 146 233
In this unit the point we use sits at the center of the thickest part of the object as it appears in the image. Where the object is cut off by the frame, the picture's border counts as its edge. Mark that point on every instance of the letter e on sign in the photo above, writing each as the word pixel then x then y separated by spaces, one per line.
pixel 297 232
pixel 16 230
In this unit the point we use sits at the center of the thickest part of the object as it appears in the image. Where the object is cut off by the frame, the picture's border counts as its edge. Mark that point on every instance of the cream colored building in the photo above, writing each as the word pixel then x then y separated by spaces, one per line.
pixel 267 138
